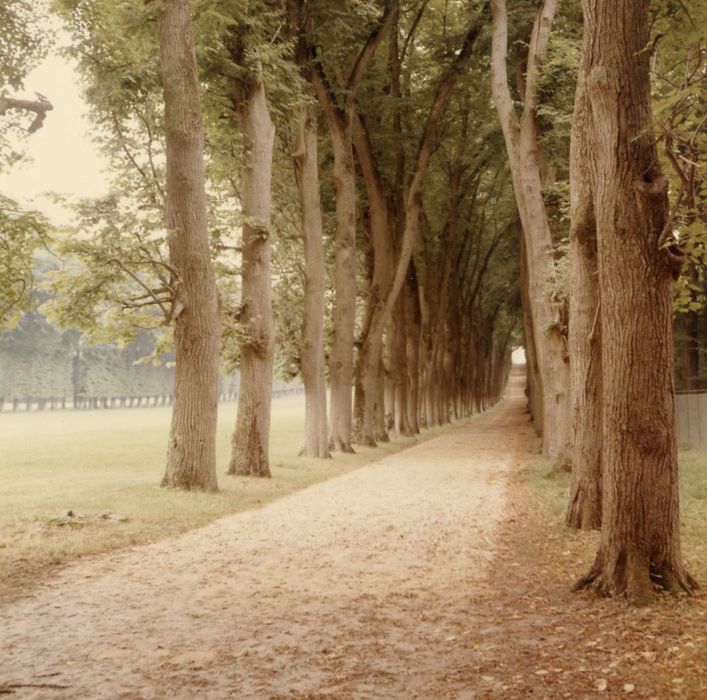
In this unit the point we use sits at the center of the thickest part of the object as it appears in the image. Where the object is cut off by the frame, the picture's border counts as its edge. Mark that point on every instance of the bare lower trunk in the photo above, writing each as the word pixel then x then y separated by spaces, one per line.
pixel 191 455
pixel 534 379
pixel 249 454
pixel 316 442
pixel 367 405
pixel 412 315
pixel 344 321
pixel 584 510
pixel 400 369
pixel 640 538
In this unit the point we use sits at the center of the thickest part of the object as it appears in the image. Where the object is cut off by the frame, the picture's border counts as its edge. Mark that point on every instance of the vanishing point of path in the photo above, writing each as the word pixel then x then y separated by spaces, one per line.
pixel 363 586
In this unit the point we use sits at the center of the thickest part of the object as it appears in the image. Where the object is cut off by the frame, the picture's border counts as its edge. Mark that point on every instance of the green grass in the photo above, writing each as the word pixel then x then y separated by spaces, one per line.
pixel 551 489
pixel 112 461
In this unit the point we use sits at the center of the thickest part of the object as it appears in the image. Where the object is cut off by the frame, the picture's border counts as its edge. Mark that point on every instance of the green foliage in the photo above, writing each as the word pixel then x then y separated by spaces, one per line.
pixel 22 233
pixel 37 360
pixel 25 39
pixel 115 282
pixel 679 73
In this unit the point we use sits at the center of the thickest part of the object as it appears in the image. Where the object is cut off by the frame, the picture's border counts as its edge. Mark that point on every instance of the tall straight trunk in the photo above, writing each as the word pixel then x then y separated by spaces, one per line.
pixel 367 405
pixel 639 548
pixel 249 449
pixel 191 455
pixel 316 442
pixel 412 317
pixel 339 117
pixel 400 369
pixel 521 138
pixel 584 510
pixel 534 379
pixel 344 317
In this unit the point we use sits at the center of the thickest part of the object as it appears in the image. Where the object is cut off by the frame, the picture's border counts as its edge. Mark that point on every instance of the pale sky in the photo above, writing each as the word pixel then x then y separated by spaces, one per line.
pixel 63 157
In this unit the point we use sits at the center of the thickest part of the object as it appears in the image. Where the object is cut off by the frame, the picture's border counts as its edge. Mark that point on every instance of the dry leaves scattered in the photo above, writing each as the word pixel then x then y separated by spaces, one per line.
pixel 540 640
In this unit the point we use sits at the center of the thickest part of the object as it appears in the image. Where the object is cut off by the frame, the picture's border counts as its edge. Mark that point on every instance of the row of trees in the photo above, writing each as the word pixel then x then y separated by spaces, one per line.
pixel 611 386
pixel 363 192
pixel 379 277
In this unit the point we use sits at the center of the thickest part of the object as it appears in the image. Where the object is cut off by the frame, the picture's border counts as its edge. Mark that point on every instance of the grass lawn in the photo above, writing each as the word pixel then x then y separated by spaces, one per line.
pixel 112 461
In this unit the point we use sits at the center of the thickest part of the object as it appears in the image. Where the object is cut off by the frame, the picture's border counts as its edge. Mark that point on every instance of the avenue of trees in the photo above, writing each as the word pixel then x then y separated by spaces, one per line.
pixel 384 197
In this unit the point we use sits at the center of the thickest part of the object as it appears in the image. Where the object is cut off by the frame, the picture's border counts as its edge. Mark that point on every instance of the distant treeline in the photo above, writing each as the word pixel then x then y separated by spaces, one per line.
pixel 43 368
pixel 38 360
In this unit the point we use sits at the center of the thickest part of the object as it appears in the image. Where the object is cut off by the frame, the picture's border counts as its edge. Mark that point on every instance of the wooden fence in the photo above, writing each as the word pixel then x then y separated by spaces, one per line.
pixel 59 403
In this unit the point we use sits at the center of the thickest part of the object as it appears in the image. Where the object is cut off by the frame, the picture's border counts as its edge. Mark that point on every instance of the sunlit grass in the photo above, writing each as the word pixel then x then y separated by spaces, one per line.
pixel 112 461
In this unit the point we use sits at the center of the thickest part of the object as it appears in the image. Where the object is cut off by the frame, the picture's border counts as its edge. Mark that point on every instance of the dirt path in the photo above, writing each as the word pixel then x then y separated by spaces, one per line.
pixel 365 586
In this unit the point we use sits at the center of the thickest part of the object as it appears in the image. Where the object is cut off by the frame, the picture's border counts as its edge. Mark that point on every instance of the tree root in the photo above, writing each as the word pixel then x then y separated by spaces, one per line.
pixel 636 579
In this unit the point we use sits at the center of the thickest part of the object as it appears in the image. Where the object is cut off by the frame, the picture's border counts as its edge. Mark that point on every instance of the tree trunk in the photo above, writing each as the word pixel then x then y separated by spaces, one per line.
pixel 249 453
pixel 534 378
pixel 316 442
pixel 521 137
pixel 344 318
pixel 191 455
pixel 339 117
pixel 640 537
pixel 400 369
pixel 584 510
pixel 412 314
pixel 368 407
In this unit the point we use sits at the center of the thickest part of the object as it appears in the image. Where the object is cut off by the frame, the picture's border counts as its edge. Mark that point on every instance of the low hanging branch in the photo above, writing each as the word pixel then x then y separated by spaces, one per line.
pixel 40 107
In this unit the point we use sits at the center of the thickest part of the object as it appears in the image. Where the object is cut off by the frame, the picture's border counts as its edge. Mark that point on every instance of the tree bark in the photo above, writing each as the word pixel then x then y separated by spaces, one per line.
pixel 339 119
pixel 584 510
pixel 316 441
pixel 639 548
pixel 249 447
pixel 40 107
pixel 413 332
pixel 344 317
pixel 534 378
pixel 191 455
pixel 368 408
pixel 520 135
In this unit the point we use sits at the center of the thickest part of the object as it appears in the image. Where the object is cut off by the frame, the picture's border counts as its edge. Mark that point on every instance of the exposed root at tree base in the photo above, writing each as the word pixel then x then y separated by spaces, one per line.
pixel 635 578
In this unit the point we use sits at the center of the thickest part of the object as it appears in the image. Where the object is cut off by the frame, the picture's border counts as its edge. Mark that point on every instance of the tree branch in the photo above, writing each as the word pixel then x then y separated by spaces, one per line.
pixel 362 60
pixel 39 106
pixel 537 52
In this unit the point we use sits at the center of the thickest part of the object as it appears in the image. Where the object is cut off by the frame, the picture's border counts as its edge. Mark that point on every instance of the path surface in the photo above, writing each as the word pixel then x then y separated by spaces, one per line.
pixel 359 587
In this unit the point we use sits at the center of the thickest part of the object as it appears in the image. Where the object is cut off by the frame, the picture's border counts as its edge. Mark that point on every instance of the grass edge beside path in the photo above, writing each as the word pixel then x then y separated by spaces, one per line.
pixel 110 463
pixel 535 638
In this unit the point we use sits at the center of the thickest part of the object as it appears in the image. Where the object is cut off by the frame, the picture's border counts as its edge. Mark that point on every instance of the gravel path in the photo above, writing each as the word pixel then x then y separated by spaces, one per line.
pixel 363 586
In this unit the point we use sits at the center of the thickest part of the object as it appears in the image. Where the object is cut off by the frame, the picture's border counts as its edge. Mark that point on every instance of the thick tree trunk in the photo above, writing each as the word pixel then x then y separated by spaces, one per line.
pixel 249 453
pixel 344 317
pixel 640 538
pixel 520 135
pixel 367 405
pixel 584 510
pixel 191 455
pixel 316 441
